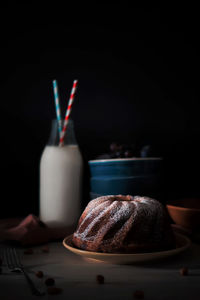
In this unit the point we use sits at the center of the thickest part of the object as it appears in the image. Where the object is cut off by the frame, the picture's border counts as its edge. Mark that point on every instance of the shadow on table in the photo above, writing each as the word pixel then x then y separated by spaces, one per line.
pixel 188 259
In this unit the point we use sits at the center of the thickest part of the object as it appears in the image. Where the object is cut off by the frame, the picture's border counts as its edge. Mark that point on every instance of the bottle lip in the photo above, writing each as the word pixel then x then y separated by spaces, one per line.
pixel 124 159
pixel 69 139
pixel 62 120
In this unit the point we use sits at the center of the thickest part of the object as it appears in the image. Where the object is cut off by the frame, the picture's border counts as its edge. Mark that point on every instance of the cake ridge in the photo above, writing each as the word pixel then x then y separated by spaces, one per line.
pixel 84 233
pixel 120 215
pixel 92 211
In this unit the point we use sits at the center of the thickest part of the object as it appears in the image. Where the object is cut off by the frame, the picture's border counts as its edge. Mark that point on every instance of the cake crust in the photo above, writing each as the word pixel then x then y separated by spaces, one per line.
pixel 124 224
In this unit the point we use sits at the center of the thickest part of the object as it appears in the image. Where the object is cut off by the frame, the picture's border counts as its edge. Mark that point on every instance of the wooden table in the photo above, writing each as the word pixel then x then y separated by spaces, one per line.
pixel 77 277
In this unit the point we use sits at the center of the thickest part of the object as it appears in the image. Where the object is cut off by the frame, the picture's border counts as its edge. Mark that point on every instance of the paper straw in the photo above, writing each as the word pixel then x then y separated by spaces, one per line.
pixel 68 111
pixel 57 104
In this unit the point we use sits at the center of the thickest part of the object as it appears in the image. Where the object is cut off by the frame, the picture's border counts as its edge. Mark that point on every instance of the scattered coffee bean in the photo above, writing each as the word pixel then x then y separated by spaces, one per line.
pixel 54 290
pixel 45 249
pixel 39 274
pixel 138 295
pixel 100 279
pixel 184 272
pixel 49 281
pixel 28 251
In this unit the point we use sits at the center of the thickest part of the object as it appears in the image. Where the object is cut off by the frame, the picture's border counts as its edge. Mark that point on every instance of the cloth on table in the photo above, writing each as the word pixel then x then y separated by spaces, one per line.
pixel 31 231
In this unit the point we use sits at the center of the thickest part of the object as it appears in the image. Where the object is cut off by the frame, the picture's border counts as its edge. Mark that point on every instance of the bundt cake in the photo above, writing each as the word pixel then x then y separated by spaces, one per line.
pixel 124 224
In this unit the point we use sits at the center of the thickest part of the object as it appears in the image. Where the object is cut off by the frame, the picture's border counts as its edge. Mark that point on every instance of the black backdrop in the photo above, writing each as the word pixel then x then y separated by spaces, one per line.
pixel 138 72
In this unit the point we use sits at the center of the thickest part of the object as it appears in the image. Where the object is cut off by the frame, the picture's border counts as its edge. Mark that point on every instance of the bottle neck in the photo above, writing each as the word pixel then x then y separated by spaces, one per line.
pixel 69 139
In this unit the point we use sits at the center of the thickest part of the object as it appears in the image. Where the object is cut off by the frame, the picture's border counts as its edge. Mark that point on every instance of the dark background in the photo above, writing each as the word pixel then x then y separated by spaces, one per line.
pixel 138 72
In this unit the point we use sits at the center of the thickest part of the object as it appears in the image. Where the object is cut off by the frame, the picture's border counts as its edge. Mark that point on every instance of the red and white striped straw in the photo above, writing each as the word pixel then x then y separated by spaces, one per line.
pixel 68 111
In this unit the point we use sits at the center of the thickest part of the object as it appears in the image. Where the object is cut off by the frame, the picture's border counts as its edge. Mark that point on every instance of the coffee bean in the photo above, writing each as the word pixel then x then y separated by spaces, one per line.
pixel 100 279
pixel 184 272
pixel 49 281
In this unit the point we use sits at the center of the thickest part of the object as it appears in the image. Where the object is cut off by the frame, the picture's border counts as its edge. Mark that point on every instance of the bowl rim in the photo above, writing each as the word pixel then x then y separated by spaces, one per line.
pixel 123 159
pixel 182 208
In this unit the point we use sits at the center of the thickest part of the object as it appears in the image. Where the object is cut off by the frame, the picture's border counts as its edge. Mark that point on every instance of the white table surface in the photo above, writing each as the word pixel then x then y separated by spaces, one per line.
pixel 77 277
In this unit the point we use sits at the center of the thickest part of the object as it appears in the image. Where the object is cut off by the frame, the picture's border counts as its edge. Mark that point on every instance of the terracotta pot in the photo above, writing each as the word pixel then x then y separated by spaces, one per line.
pixel 186 213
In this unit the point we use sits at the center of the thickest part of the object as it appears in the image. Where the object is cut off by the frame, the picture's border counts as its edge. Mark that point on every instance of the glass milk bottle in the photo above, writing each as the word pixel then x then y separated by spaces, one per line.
pixel 61 179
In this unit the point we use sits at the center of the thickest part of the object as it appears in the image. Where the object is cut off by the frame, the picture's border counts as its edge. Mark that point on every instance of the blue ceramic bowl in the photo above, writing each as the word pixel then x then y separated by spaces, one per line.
pixel 133 176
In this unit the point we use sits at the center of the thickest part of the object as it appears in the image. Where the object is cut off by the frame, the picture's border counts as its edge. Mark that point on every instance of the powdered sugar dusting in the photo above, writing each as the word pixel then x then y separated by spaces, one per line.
pixel 105 207
pixel 118 207
pixel 147 206
pixel 123 212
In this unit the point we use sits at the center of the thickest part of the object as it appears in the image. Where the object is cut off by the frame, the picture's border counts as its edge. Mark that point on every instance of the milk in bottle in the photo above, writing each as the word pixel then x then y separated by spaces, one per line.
pixel 61 179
